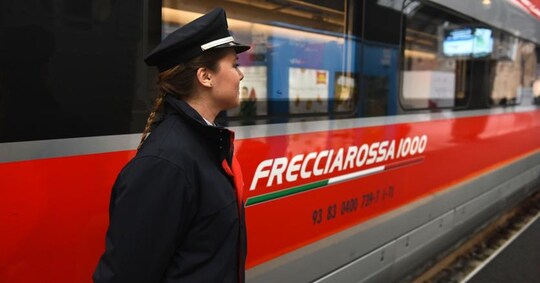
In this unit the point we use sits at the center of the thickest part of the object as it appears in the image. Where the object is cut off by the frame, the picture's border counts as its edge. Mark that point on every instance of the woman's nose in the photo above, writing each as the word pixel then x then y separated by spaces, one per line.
pixel 241 74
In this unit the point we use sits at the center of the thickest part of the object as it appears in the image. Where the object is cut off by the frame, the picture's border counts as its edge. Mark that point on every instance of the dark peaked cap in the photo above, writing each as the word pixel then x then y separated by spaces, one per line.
pixel 206 32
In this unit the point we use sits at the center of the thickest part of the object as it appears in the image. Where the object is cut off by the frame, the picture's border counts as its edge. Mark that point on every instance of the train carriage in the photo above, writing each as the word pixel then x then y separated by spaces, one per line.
pixel 373 135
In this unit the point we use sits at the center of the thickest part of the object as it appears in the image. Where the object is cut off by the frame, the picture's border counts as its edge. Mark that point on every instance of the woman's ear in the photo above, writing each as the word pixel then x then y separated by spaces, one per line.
pixel 204 77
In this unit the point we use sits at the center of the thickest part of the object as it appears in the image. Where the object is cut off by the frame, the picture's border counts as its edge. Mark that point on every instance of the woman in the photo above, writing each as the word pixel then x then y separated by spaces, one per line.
pixel 176 211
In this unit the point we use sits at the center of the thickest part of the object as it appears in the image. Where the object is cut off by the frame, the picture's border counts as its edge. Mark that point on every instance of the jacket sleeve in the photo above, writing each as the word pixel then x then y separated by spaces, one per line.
pixel 149 211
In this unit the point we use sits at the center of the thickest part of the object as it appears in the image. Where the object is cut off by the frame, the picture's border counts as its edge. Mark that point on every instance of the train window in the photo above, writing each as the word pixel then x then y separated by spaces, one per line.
pixel 72 68
pixel 514 71
pixel 380 24
pixel 299 64
pixel 436 62
pixel 453 62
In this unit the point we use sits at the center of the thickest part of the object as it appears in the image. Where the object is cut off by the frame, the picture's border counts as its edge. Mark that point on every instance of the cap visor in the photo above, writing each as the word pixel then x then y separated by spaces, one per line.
pixel 238 47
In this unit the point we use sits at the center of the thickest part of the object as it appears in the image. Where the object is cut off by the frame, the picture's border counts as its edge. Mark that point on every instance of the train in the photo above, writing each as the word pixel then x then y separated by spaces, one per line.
pixel 373 135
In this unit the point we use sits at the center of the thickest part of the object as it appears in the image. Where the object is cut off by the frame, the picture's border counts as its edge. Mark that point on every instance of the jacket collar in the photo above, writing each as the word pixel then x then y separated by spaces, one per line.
pixel 221 137
pixel 174 105
pixel 185 110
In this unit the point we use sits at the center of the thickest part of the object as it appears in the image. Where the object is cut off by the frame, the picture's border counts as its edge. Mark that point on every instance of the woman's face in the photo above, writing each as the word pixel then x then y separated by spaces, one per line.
pixel 226 82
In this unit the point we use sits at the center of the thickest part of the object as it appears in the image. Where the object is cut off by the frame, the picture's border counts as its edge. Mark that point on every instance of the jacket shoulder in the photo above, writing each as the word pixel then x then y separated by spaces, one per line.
pixel 173 140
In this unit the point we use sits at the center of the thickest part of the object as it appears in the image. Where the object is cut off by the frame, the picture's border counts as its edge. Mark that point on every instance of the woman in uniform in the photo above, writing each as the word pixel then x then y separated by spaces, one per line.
pixel 176 210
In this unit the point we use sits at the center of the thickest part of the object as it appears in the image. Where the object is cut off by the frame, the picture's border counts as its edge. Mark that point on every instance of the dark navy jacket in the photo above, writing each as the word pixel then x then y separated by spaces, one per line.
pixel 174 215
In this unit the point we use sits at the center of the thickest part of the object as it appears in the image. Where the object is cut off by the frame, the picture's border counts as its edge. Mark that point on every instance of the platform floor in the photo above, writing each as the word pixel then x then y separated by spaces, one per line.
pixel 518 262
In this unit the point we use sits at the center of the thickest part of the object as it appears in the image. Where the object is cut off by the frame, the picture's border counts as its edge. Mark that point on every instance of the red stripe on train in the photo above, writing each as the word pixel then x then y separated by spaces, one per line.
pixel 54 211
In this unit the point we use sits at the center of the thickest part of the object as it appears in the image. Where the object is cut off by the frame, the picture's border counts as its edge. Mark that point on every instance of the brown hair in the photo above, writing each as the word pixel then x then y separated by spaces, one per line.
pixel 180 82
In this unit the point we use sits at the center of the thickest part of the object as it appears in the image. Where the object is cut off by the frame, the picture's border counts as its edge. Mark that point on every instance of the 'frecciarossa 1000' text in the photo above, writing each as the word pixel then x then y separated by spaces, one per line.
pixel 305 166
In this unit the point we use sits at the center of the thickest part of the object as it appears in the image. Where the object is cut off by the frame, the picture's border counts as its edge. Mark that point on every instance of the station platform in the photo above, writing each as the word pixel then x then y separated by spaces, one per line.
pixel 518 262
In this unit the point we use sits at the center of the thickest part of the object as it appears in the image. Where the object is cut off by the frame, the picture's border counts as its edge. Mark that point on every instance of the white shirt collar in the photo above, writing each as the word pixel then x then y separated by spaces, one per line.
pixel 208 122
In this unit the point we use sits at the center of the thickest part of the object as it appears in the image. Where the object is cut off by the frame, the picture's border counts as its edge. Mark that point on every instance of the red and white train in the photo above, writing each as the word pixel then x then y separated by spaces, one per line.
pixel 373 135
